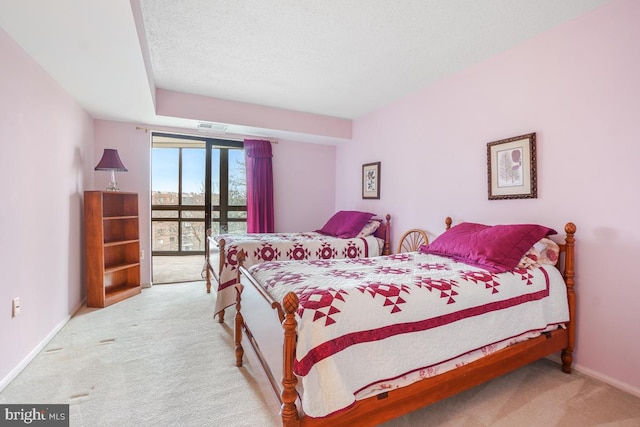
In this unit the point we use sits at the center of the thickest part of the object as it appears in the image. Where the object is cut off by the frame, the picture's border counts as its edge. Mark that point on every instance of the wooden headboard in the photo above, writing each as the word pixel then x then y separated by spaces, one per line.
pixel 384 232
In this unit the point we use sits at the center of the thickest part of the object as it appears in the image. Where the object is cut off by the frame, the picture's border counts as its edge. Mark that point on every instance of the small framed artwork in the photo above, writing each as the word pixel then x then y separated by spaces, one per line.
pixel 371 180
pixel 511 168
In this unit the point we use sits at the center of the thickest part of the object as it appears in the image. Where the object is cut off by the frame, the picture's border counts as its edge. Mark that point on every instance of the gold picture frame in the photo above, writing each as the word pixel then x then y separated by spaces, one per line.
pixel 371 180
pixel 511 168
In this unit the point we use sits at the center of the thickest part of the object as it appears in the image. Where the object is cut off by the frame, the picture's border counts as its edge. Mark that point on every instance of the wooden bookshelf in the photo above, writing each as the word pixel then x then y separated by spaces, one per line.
pixel 112 246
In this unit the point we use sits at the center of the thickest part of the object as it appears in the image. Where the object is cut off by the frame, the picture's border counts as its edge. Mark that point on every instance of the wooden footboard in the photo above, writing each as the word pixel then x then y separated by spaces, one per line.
pixel 388 405
pixel 394 403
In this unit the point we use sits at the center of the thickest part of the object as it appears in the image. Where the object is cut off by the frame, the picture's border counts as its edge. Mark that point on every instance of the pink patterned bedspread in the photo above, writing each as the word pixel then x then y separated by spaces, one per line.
pixel 261 247
pixel 368 321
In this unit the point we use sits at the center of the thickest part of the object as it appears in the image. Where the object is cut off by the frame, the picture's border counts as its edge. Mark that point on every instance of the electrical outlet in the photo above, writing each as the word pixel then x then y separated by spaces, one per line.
pixel 141 253
pixel 15 307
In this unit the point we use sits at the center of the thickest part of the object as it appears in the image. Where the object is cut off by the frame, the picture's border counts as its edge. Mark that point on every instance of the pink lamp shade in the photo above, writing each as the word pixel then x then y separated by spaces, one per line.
pixel 111 162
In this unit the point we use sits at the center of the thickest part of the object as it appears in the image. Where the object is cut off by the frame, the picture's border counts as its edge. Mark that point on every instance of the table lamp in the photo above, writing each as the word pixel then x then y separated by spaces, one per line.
pixel 110 161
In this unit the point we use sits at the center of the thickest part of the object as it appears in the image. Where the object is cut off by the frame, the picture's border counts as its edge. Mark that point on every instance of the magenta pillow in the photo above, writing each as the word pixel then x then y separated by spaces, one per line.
pixel 497 248
pixel 346 224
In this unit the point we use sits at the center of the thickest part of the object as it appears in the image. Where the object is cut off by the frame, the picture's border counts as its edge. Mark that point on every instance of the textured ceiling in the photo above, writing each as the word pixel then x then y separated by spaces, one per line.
pixel 340 58
pixel 333 57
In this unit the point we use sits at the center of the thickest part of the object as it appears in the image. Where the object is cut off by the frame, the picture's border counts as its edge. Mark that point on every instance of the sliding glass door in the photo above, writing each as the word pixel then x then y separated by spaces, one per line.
pixel 196 183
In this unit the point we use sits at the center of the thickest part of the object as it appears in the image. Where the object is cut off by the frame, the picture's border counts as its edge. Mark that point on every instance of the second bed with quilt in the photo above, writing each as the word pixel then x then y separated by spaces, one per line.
pixel 364 340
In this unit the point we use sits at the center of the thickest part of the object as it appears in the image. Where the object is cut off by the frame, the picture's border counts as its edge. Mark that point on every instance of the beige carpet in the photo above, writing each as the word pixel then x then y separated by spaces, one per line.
pixel 159 359
pixel 174 269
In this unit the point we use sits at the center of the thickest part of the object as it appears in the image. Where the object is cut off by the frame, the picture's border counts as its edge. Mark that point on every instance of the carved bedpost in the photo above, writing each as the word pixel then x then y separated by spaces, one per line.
pixel 288 410
pixel 238 327
pixel 447 223
pixel 387 237
pixel 569 274
pixel 223 256
pixel 221 259
pixel 238 319
pixel 207 259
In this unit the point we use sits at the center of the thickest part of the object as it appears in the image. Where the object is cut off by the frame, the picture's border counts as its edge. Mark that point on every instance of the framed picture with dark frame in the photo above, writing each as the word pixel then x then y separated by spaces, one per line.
pixel 371 180
pixel 511 168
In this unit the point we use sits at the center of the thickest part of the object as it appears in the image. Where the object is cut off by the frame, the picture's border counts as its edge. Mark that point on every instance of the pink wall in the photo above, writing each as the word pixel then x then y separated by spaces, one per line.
pixel 46 138
pixel 577 87
pixel 304 178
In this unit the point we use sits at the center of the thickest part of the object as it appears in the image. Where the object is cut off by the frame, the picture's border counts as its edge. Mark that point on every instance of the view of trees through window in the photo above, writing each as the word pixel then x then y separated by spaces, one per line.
pixel 196 183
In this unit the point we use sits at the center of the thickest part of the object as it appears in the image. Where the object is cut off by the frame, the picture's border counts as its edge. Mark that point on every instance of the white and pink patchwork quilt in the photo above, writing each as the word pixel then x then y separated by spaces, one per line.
pixel 261 247
pixel 366 322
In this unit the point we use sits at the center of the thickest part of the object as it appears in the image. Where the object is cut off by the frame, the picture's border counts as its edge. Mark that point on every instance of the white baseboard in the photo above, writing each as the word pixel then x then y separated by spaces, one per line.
pixel 23 364
pixel 600 377
pixel 606 379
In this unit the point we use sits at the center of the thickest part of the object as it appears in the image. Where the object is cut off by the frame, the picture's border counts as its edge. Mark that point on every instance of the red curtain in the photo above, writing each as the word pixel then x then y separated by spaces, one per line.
pixel 259 186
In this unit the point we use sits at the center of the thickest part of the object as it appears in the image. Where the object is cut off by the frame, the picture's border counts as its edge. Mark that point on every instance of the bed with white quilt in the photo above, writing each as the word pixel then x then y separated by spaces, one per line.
pixel 347 234
pixel 363 340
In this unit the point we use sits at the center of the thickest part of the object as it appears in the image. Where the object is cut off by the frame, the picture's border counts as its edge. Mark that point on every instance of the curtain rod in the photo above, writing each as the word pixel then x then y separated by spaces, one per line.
pixel 235 138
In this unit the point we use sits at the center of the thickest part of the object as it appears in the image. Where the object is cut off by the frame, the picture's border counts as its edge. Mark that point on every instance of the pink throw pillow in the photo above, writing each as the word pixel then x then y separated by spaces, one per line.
pixel 346 224
pixel 497 248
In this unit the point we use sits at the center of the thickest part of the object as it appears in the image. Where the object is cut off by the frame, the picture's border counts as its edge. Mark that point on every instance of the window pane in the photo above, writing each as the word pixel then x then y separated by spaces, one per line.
pixel 242 215
pixel 215 176
pixel 237 178
pixel 215 228
pixel 165 235
pixel 164 214
pixel 193 166
pixel 192 214
pixel 237 228
pixel 164 178
pixel 193 236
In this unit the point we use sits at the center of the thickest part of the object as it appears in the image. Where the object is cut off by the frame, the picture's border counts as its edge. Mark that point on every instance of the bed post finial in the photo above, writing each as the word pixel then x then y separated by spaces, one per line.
pixel 569 275
pixel 386 250
pixel 447 222
pixel 288 410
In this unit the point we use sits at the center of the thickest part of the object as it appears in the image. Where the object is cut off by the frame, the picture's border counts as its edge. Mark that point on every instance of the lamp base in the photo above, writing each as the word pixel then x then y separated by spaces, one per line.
pixel 113 186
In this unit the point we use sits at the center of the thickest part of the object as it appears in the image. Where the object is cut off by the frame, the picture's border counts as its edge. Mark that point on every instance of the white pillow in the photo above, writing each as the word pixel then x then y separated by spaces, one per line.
pixel 369 228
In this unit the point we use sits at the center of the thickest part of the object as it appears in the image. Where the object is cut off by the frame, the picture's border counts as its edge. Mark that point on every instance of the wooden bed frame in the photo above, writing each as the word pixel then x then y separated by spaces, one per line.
pixel 394 403
pixel 383 232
